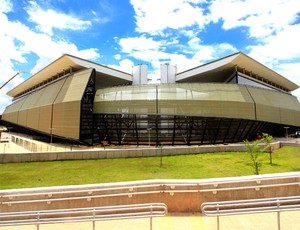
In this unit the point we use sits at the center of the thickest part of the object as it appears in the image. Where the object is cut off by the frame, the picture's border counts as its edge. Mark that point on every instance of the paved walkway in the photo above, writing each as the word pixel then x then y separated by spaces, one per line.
pixel 10 147
pixel 264 221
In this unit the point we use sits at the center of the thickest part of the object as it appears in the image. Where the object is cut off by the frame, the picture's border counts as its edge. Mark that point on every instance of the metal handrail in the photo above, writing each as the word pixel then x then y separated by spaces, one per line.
pixel 148 210
pixel 251 206
pixel 89 197
pixel 131 193
pixel 88 191
pixel 253 180
pixel 162 185
pixel 250 187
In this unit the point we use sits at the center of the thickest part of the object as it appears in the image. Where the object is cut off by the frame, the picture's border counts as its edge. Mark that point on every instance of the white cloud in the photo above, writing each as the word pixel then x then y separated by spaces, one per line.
pixel 5 6
pixel 153 52
pixel 213 52
pixel 45 47
pixel 7 75
pixel 154 16
pixel 5 100
pixel 118 56
pixel 47 20
pixel 18 42
pixel 125 65
pixel 282 46
pixel 274 26
pixel 10 53
pixel 291 71
pixel 204 53
pixel 261 17
pixel 138 43
pixel 168 22
pixel 155 58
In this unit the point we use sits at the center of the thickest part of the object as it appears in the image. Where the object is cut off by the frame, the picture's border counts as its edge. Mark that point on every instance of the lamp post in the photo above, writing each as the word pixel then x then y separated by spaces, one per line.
pixel 50 135
pixel 9 135
pixel 51 130
pixel 149 137
pixel 161 146
pixel 286 132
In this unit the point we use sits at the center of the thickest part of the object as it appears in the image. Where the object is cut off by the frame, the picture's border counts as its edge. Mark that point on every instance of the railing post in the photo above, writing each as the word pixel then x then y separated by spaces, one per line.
pixel 38 220
pixel 278 214
pixel 218 217
pixel 150 217
pixel 94 216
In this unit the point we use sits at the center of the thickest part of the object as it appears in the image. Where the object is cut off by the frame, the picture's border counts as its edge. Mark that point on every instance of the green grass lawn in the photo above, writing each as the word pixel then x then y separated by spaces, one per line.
pixel 197 166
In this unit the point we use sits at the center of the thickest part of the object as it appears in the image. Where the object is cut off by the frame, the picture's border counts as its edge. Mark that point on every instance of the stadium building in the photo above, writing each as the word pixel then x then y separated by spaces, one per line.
pixel 224 101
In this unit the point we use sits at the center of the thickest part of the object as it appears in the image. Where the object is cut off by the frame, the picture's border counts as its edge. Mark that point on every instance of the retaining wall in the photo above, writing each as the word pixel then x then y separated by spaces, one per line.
pixel 121 153
pixel 179 195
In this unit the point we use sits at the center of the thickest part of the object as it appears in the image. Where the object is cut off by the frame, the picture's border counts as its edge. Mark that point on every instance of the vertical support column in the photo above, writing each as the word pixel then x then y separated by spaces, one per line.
pixel 151 217
pixel 136 129
pixel 218 217
pixel 259 126
pixel 236 74
pixel 278 214
pixel 94 217
pixel 157 129
pixel 87 128
pixel 106 128
pixel 38 221
pixel 156 117
pixel 241 135
pixel 217 132
pixel 174 131
pixel 204 131
pixel 118 129
pixel 236 131
pixel 190 130
pixel 249 131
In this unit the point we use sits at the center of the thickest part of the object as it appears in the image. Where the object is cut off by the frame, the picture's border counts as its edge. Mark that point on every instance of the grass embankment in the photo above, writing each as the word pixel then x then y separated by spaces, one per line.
pixel 225 164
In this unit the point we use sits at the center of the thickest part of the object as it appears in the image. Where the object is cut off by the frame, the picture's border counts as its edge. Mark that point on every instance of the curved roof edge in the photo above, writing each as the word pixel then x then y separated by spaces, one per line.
pixel 242 61
pixel 64 63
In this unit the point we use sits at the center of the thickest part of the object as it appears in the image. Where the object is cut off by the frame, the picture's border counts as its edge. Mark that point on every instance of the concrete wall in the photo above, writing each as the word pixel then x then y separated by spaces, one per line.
pixel 121 153
pixel 179 195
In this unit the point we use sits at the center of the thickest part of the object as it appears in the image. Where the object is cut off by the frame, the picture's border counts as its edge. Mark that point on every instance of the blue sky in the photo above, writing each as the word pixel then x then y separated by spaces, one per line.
pixel 124 33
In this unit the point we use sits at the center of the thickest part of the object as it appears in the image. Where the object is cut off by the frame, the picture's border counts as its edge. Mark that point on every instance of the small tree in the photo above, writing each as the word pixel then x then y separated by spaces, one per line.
pixel 161 151
pixel 268 138
pixel 254 151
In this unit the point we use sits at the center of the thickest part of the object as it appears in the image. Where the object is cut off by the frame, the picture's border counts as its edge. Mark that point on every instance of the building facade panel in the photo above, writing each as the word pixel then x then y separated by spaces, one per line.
pixel 66 119
pixel 22 116
pixel 195 99
pixel 74 87
pixel 29 116
pixel 45 118
pixel 11 113
pixel 126 99
pixel 274 106
pixel 220 100
pixel 67 106
pixel 35 110
pixel 46 101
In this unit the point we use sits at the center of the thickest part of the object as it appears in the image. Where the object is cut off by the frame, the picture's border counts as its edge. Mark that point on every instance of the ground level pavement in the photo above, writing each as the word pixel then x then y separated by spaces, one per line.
pixel 288 221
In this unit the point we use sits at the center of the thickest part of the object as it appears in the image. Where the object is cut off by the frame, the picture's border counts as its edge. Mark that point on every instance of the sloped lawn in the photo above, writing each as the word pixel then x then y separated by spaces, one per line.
pixel 197 166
